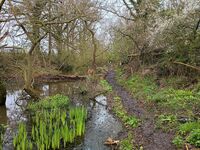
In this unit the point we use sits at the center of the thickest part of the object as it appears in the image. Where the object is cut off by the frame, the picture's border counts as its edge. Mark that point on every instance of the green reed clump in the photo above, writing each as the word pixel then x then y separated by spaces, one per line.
pixel 21 141
pixel 78 114
pixel 54 128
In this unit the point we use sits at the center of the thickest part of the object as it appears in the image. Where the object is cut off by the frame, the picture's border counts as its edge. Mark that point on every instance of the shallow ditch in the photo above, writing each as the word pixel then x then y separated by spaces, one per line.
pixel 100 124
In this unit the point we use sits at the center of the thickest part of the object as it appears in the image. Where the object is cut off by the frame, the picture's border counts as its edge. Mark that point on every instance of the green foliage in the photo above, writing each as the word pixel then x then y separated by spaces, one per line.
pixel 119 110
pixel 2 131
pixel 170 99
pixel 127 143
pixel 106 86
pixel 21 141
pixel 188 132
pixel 53 125
pixel 186 128
pixel 141 87
pixel 51 128
pixel 56 101
pixel 178 141
pixel 166 122
pixel 177 100
pixel 194 138
pixel 132 121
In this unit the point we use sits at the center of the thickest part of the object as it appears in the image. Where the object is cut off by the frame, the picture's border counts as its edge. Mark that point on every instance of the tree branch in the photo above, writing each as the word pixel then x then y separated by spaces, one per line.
pixel 36 43
pixel 1 4
pixel 187 65
pixel 129 8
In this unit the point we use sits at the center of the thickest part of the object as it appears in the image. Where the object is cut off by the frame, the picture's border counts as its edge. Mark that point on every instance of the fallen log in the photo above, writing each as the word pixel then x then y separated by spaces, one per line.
pixel 57 78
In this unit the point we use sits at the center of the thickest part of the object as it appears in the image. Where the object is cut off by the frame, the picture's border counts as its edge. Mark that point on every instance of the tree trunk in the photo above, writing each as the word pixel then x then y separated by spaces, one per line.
pixel 94 51
pixel 29 72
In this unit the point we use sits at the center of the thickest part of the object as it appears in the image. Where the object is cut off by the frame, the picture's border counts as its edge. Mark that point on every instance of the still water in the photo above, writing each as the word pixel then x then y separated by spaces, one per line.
pixel 100 124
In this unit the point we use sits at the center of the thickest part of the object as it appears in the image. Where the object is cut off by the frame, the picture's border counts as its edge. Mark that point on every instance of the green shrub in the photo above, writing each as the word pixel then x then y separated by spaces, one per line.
pixel 52 102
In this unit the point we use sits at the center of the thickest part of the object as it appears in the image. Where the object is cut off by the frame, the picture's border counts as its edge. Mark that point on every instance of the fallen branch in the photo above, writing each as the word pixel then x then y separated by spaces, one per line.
pixel 94 98
pixel 187 65
pixel 57 78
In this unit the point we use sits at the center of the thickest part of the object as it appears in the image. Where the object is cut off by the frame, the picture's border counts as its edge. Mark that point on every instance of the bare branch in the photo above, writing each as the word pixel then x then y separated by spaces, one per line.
pixel 1 4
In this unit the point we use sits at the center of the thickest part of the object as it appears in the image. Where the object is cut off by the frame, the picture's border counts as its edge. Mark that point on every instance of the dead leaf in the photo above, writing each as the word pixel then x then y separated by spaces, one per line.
pixel 110 141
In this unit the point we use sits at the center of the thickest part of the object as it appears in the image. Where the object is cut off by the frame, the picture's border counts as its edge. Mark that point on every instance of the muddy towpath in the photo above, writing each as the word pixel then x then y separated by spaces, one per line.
pixel 146 135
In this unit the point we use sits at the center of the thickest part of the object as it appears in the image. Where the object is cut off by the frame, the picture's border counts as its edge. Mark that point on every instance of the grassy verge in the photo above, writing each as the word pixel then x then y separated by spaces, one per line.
pixel 129 121
pixel 177 108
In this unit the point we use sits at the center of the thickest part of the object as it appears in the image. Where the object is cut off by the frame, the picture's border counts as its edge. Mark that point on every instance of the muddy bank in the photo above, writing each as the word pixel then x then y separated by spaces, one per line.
pixel 145 135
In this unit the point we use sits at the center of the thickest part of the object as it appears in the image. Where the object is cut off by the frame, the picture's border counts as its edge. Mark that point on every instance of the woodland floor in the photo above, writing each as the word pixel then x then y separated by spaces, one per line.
pixel 146 135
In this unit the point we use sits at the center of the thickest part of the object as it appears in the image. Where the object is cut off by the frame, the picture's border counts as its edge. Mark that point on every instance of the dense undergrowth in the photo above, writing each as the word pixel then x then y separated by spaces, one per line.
pixel 176 108
pixel 52 126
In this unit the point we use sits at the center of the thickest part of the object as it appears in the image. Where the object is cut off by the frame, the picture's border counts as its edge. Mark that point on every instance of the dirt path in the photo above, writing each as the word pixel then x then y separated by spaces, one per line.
pixel 146 134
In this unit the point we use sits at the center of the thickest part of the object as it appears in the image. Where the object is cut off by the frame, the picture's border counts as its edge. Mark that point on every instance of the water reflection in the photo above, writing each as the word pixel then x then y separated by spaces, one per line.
pixel 3 115
pixel 15 107
pixel 99 127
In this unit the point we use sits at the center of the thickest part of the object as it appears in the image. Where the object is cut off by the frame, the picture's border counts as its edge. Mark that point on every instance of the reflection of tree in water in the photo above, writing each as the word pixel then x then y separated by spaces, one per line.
pixel 15 104
pixel 3 115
